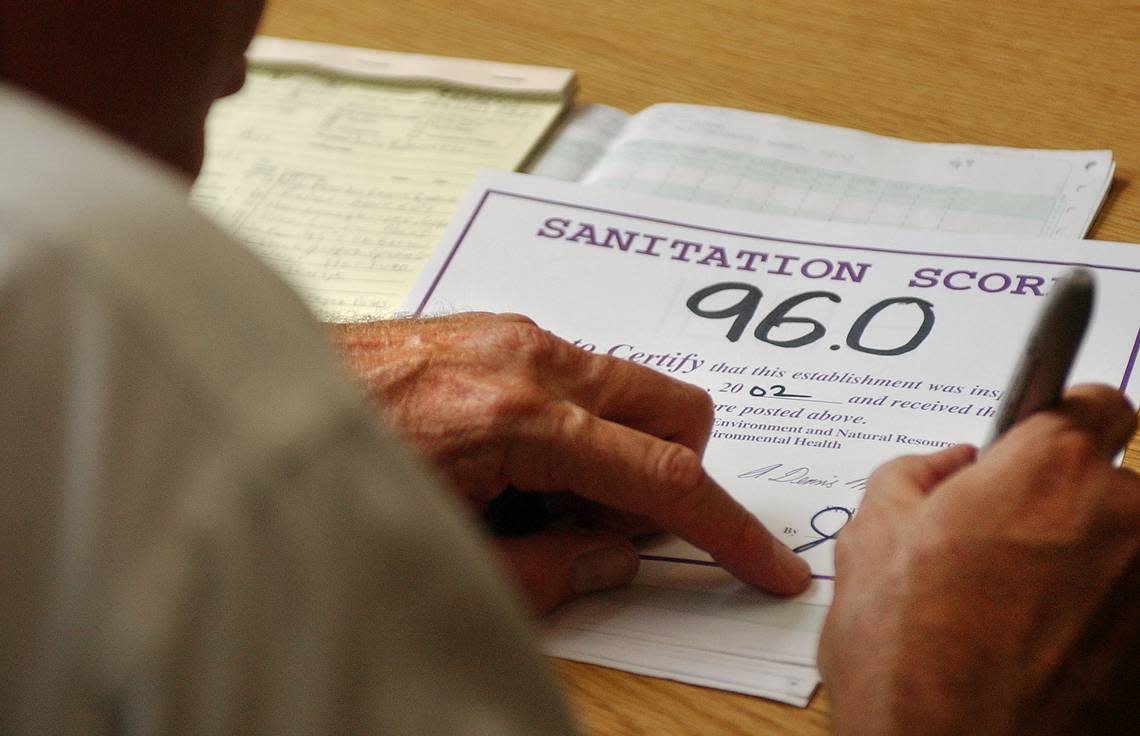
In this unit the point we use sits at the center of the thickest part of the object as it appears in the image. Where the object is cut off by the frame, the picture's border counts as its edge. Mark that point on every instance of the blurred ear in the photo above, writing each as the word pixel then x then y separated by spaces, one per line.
pixel 145 71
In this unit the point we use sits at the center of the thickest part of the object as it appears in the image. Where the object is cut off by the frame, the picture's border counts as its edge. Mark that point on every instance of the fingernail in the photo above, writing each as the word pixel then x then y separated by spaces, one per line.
pixel 796 570
pixel 603 569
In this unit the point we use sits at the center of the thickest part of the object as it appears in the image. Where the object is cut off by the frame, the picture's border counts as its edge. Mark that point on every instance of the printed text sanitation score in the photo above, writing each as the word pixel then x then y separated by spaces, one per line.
pixel 699 254
pixel 769 317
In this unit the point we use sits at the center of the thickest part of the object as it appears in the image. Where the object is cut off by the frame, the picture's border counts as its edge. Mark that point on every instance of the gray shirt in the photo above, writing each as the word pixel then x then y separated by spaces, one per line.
pixel 201 529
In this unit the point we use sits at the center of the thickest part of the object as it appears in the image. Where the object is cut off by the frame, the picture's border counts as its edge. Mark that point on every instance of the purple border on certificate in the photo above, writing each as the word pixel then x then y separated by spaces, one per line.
pixel 841 246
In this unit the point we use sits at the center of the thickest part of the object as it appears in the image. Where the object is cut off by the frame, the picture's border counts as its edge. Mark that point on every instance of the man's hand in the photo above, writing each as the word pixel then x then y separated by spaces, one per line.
pixel 967 592
pixel 496 402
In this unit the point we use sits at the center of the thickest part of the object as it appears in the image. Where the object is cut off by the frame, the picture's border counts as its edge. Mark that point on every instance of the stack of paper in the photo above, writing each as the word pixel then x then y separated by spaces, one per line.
pixel 776 165
pixel 901 342
pixel 341 166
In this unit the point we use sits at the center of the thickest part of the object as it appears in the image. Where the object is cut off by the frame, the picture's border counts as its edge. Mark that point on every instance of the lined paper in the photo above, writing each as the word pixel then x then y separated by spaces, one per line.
pixel 775 165
pixel 344 184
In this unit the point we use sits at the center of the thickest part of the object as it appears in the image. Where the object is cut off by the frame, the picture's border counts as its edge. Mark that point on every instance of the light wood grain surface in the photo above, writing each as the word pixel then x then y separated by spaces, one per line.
pixel 1042 74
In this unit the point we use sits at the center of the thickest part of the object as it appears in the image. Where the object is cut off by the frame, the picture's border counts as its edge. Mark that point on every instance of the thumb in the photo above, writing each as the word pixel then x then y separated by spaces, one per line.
pixel 556 565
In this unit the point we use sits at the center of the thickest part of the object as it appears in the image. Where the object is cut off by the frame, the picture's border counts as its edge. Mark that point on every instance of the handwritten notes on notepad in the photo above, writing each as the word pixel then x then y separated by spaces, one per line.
pixel 776 165
pixel 341 167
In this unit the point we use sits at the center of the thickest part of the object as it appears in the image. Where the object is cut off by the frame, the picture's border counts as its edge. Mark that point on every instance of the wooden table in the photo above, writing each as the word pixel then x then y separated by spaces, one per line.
pixel 1042 74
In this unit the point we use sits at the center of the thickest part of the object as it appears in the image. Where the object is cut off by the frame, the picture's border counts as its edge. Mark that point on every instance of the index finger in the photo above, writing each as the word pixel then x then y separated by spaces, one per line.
pixel 1098 416
pixel 1103 412
pixel 636 472
pixel 638 396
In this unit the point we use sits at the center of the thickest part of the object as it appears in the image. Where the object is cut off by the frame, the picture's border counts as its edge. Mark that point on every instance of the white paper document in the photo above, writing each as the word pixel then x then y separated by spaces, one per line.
pixel 827 349
pixel 773 164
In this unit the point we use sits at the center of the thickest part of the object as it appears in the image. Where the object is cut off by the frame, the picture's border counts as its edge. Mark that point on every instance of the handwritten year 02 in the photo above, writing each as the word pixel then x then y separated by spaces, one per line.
pixel 775 391
pixel 744 308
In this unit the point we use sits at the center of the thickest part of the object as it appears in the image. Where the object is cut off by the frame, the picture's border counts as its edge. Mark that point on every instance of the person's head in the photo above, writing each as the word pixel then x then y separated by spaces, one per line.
pixel 144 70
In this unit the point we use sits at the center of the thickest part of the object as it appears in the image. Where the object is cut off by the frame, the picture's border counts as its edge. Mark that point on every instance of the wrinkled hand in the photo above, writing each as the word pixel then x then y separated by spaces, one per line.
pixel 496 402
pixel 978 597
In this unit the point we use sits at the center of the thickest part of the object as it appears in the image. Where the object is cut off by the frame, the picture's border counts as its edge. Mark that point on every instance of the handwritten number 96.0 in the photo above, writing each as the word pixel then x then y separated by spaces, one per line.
pixel 744 309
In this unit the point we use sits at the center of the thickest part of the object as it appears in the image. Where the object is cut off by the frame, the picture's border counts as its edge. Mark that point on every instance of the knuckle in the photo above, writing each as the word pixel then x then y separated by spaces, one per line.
pixel 879 476
pixel 1111 402
pixel 890 471
pixel 931 550
pixel 509 405
pixel 1061 526
pixel 1074 503
pixel 1069 452
pixel 1118 406
pixel 527 340
pixel 680 468
pixel 573 421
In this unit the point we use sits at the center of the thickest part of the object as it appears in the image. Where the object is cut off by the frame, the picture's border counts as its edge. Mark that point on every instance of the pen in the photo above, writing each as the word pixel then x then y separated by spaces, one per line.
pixel 1040 376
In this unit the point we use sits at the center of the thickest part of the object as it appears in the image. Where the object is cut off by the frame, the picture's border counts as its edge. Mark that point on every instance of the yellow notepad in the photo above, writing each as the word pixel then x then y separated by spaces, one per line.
pixel 341 166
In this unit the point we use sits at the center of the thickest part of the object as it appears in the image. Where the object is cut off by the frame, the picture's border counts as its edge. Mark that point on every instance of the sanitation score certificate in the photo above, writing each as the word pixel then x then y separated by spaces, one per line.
pixel 827 349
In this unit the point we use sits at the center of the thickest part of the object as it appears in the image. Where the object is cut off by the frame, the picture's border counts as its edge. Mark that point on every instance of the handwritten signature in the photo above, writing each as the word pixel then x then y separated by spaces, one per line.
pixel 801 476
pixel 827 523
